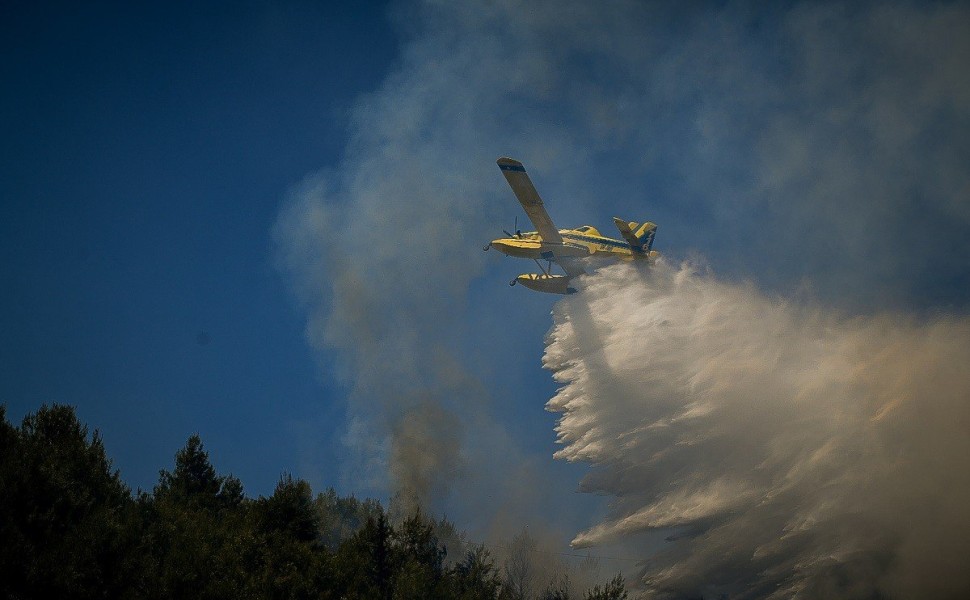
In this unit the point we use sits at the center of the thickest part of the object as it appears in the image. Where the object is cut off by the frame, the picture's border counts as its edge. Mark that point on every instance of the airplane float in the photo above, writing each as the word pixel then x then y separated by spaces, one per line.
pixel 564 247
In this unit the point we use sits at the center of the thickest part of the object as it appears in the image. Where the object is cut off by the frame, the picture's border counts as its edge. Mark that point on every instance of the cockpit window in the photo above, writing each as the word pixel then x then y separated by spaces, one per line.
pixel 584 228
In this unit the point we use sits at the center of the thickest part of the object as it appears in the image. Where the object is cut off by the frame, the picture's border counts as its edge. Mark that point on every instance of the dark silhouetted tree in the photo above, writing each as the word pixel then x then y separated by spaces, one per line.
pixel 614 590
pixel 419 559
pixel 290 510
pixel 62 510
pixel 557 590
pixel 291 560
pixel 194 480
pixel 198 538
pixel 364 562
pixel 69 528
pixel 341 517
pixel 475 576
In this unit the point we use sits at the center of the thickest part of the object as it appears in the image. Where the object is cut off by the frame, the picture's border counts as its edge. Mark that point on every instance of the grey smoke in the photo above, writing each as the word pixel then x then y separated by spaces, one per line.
pixel 819 149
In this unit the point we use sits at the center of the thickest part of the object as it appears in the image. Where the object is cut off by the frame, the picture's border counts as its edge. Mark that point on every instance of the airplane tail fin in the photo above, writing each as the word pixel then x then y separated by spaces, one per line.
pixel 639 236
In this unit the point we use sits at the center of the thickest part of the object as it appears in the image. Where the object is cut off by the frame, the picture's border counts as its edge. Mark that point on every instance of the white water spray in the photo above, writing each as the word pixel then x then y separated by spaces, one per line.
pixel 787 451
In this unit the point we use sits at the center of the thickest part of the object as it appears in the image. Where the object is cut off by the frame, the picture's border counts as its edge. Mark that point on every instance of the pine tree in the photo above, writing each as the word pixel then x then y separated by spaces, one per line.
pixel 63 515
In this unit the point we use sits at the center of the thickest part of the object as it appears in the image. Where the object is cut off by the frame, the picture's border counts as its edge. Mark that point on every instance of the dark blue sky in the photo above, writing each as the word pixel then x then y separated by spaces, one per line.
pixel 146 152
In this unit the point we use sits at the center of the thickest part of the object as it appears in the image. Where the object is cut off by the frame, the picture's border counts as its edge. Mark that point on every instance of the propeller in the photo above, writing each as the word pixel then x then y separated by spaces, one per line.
pixel 518 232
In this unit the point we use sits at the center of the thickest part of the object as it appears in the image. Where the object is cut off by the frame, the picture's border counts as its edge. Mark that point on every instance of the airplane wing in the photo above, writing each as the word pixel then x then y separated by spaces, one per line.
pixel 529 199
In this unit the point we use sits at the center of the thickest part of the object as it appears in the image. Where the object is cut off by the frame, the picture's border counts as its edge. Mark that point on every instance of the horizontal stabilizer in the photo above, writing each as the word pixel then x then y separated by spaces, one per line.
pixel 640 237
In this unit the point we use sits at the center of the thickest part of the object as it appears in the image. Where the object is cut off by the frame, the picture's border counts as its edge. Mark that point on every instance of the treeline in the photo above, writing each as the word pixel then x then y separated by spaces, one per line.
pixel 70 528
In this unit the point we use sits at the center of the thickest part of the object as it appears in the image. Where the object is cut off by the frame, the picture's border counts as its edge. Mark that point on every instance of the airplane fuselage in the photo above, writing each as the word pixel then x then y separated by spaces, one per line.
pixel 578 243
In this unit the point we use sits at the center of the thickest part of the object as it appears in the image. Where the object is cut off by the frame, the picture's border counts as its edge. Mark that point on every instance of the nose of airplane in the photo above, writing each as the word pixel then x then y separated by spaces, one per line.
pixel 500 245
pixel 518 248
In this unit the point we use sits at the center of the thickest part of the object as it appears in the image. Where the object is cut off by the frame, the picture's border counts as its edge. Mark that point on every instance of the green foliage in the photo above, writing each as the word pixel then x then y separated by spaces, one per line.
pixel 290 511
pixel 614 590
pixel 340 518
pixel 366 561
pixel 70 528
pixel 62 510
pixel 475 576
pixel 289 560
pixel 196 534
pixel 194 481
pixel 418 558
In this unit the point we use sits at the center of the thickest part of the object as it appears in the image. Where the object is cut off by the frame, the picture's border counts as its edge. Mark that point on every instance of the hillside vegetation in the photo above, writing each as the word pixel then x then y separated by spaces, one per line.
pixel 71 528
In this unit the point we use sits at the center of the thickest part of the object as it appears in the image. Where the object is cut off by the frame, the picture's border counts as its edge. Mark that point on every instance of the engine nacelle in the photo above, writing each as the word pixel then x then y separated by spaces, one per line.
pixel 551 284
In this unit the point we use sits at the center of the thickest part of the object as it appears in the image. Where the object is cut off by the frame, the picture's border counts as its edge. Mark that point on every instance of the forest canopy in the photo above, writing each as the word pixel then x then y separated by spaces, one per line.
pixel 71 528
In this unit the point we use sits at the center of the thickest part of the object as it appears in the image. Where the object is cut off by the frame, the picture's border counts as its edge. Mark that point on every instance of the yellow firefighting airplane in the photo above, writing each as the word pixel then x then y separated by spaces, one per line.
pixel 563 246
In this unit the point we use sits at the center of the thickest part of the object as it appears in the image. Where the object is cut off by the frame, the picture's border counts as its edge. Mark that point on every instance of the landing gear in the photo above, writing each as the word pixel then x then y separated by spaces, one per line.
pixel 511 283
pixel 548 270
pixel 487 246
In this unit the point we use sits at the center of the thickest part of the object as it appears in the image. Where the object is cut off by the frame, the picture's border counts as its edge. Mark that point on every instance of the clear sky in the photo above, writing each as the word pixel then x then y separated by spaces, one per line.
pixel 146 151
pixel 263 222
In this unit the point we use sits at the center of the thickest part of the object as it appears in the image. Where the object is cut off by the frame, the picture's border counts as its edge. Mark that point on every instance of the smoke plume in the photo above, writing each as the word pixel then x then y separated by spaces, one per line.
pixel 787 451
pixel 811 146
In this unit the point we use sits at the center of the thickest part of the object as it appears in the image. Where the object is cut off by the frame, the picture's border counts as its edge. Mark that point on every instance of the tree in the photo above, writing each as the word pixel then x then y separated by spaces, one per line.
pixel 70 528
pixel 194 480
pixel 365 562
pixel 557 590
pixel 520 571
pixel 342 517
pixel 475 577
pixel 197 537
pixel 614 590
pixel 291 562
pixel 290 510
pixel 62 521
pixel 419 559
